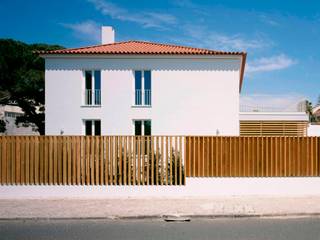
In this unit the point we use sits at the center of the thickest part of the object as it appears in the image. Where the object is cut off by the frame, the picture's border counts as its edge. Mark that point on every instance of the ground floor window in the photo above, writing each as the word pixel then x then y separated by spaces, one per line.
pixel 142 127
pixel 92 127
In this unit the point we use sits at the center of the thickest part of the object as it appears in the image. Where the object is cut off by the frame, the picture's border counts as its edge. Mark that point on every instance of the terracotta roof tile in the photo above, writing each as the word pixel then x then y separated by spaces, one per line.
pixel 140 47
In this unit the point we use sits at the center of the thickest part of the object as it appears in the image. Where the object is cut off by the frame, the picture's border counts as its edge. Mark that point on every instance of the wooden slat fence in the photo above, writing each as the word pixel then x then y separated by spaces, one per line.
pixel 86 160
pixel 252 156
pixel 152 160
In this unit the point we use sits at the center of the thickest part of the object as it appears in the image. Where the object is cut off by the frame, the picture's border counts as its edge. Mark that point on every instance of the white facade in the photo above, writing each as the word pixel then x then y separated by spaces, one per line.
pixel 191 95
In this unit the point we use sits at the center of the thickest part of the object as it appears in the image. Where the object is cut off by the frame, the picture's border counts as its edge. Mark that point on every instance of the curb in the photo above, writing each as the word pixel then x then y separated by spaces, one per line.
pixel 175 218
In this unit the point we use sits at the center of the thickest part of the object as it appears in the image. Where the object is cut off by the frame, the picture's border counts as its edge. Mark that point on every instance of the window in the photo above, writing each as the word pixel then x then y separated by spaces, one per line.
pixel 92 127
pixel 142 80
pixel 92 87
pixel 12 114
pixel 142 127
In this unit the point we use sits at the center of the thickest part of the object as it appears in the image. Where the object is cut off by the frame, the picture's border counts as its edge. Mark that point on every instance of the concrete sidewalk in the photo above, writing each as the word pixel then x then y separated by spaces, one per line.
pixel 155 208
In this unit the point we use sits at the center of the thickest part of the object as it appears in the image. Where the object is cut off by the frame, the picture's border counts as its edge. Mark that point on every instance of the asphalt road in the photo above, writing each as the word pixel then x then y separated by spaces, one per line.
pixel 246 229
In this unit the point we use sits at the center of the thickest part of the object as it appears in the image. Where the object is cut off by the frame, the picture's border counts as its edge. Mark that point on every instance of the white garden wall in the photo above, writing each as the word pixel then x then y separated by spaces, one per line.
pixel 195 187
pixel 190 96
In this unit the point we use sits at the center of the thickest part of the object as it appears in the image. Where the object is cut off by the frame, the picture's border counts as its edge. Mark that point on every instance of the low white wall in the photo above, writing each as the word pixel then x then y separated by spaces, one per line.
pixel 313 130
pixel 195 187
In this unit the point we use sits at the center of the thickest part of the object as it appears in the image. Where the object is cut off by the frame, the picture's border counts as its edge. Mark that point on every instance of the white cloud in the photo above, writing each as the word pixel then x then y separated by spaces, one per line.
pixel 87 30
pixel 146 19
pixel 266 102
pixel 268 20
pixel 235 42
pixel 270 64
pixel 203 37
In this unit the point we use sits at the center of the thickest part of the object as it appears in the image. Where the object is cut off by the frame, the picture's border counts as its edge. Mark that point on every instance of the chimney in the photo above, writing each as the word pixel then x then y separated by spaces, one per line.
pixel 107 35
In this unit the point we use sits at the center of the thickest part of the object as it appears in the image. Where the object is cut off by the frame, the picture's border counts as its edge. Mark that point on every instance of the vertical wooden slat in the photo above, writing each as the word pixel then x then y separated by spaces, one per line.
pixel 125 160
pixel 143 159
pixel 73 160
pixel 3 161
pixel 107 161
pixel 54 160
pixel 50 165
pixel 97 160
pixel 157 160
pixel 129 160
pixel 9 160
pixel 152 160
pixel 171 160
pixel 167 161
pixel 148 159
pixel 69 160
pixel 115 160
pixel 87 160
pixel 139 161
pixel 176 159
pixel 83 160
pixel 22 159
pixel 92 160
pixel 180 160
pixel 134 161
pixel 77 160
pixel 65 160
pixel 120 163
pixel 45 160
pixel 163 173
pixel 111 165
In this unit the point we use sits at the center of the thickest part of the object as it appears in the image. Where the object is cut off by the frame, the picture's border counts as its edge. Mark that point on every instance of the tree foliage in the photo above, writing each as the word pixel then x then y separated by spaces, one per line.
pixel 22 79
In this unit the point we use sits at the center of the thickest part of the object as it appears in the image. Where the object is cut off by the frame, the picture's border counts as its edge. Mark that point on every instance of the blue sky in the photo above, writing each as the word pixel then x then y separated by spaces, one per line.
pixel 282 38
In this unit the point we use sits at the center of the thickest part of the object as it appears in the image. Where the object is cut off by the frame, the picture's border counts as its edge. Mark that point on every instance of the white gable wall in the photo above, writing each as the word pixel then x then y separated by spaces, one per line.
pixel 195 96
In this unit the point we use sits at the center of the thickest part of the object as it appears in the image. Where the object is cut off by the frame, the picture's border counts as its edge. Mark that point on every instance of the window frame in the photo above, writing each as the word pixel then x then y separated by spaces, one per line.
pixel 143 96
pixel 93 127
pixel 142 126
pixel 93 88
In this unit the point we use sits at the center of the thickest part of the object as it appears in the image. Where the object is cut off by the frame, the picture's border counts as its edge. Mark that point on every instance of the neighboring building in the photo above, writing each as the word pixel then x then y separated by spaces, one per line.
pixel 136 87
pixel 270 120
pixel 316 113
pixel 9 113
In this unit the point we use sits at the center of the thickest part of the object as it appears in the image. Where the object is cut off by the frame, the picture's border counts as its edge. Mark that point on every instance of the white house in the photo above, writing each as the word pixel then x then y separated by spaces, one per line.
pixel 135 87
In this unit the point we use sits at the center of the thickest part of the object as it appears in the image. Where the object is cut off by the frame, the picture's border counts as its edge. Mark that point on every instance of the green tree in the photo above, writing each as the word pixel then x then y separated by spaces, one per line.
pixel 309 108
pixel 22 79
pixel 2 126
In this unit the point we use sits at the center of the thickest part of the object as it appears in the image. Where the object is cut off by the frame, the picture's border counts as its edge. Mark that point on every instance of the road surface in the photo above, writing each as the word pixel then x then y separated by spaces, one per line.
pixel 240 228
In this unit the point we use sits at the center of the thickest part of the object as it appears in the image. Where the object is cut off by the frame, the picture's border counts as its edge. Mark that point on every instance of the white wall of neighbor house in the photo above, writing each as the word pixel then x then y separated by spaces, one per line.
pixel 274 116
pixel 190 95
pixel 314 130
pixel 195 187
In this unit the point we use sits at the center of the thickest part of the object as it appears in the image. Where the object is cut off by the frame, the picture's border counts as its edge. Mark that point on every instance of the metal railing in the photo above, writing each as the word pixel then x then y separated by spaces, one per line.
pixel 297 107
pixel 92 97
pixel 142 98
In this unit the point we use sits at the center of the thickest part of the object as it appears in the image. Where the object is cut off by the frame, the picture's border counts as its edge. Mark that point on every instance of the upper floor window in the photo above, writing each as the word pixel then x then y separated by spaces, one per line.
pixel 142 95
pixel 92 95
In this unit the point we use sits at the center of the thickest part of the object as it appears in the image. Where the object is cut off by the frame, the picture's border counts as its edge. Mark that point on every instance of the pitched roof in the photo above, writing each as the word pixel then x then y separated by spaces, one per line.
pixel 140 47
pixel 146 48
